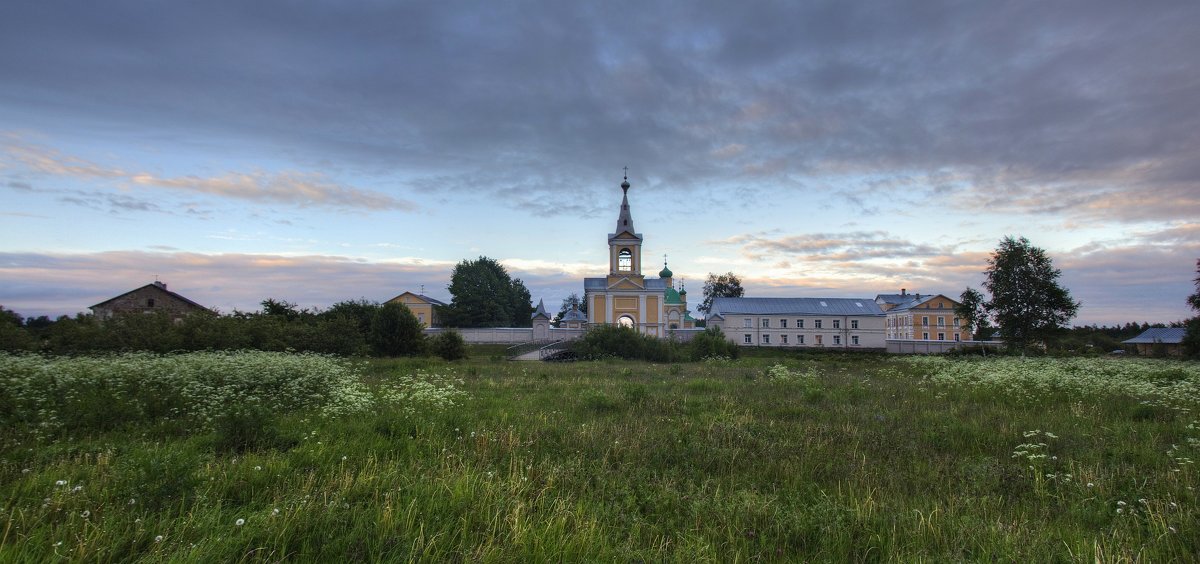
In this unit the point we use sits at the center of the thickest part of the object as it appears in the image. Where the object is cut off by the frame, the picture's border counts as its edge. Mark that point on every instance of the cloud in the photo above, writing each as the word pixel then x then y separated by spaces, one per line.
pixel 54 284
pixel 301 189
pixel 722 95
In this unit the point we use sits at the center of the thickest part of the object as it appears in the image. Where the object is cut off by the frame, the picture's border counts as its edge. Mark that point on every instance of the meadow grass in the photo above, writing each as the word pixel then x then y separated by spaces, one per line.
pixel 772 457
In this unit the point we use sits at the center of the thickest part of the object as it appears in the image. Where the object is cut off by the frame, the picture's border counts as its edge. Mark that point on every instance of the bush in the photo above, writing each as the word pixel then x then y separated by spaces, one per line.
pixel 449 345
pixel 395 331
pixel 712 344
pixel 607 341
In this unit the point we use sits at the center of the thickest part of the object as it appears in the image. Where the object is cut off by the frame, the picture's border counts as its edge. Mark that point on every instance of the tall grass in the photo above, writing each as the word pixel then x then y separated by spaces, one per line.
pixel 784 458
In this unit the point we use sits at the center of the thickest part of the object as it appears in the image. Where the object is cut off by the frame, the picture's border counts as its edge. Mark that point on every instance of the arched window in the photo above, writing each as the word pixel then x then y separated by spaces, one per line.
pixel 625 260
pixel 625 321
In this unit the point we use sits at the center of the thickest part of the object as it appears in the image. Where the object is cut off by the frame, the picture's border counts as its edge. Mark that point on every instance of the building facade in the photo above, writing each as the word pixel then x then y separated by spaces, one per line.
pixel 422 306
pixel 151 298
pixel 847 323
pixel 625 296
pixel 922 318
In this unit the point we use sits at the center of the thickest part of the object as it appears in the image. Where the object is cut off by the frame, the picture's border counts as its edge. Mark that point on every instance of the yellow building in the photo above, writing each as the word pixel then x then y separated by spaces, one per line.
pixel 925 318
pixel 627 297
pixel 422 306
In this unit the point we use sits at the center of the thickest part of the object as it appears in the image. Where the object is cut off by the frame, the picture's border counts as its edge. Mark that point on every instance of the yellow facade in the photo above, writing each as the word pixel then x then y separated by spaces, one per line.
pixel 420 306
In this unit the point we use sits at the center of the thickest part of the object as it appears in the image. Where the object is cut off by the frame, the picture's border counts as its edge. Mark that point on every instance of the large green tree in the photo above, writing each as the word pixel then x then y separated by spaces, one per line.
pixel 1028 303
pixel 484 295
pixel 726 285
pixel 1191 341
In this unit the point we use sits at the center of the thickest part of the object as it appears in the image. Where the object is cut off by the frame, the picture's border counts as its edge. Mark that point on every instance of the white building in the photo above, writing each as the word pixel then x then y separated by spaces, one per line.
pixel 849 323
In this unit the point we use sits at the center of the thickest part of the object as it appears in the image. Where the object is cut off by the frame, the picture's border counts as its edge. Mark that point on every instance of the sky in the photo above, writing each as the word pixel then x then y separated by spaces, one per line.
pixel 316 152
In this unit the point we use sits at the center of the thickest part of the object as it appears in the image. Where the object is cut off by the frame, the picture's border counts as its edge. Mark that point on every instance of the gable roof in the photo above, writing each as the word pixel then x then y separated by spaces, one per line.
pixel 794 306
pixel 427 299
pixel 1165 335
pixel 159 286
pixel 917 303
pixel 573 314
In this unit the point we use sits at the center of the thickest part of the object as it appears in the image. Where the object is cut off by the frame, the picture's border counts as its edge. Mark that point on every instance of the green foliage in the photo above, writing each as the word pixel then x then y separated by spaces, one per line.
pixel 971 309
pixel 726 285
pixel 1027 302
pixel 484 295
pixel 449 345
pixel 789 458
pixel 615 341
pixel 395 331
pixel 1191 341
pixel 712 344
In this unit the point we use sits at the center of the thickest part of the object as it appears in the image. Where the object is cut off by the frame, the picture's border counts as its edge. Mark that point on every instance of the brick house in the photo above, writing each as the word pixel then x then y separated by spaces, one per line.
pixel 150 298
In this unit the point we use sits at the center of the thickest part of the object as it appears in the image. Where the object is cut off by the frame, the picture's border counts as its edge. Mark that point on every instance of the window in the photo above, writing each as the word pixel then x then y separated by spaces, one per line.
pixel 799 323
pixel 941 321
pixel 957 338
pixel 766 339
pixel 818 339
pixel 925 336
pixel 956 320
pixel 746 323
pixel 674 326
pixel 783 339
pixel 625 261
pixel 941 305
pixel 766 323
pixel 941 336
pixel 746 339
pixel 625 321
pixel 817 324
pixel 783 324
pixel 854 339
pixel 799 339
pixel 837 323
pixel 421 317
pixel 854 324
pixel 925 321
pixel 150 302
pixel 837 339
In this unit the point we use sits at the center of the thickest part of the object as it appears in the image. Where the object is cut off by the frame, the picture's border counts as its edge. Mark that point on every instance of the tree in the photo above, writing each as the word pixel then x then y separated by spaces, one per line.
pixel 449 345
pixel 1027 301
pixel 395 331
pixel 571 300
pixel 726 285
pixel 971 309
pixel 1191 340
pixel 483 295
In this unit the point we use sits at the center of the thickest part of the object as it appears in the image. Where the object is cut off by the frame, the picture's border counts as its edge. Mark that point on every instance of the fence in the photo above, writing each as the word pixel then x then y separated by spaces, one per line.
pixel 905 346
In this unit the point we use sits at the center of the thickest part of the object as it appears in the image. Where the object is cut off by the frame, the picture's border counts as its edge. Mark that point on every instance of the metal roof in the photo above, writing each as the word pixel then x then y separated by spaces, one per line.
pixel 540 310
pixel 573 314
pixel 602 284
pixel 795 306
pixel 1165 335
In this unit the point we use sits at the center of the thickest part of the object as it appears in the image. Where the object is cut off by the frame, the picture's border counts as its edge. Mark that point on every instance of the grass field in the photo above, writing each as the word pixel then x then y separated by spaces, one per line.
pixel 267 457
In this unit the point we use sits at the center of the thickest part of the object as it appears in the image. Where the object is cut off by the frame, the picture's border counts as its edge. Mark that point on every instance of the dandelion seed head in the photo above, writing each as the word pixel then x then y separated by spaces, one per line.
pixel 239 522
pixel 158 538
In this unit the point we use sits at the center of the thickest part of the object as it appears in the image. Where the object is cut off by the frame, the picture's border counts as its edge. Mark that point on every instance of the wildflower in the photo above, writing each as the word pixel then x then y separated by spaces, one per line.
pixel 26 471
pixel 275 512
pixel 158 538
pixel 132 501
pixel 258 467
pixel 1172 529
pixel 239 522
pixel 60 483
pixel 1119 510
pixel 86 514
pixel 343 457
pixel 59 543
pixel 76 488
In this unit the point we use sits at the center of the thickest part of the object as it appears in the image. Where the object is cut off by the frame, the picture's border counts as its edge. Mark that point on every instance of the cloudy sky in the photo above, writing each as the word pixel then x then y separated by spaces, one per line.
pixel 321 151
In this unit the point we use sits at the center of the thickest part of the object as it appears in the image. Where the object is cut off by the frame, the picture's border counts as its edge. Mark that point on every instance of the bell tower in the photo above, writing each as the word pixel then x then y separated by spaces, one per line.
pixel 625 243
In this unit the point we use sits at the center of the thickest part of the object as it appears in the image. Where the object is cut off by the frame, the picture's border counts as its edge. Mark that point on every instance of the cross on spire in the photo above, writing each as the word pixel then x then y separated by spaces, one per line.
pixel 626 173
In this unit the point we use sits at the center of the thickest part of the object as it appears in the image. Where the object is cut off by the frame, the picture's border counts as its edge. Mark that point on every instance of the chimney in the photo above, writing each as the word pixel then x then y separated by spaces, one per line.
pixel 903 291
pixel 162 285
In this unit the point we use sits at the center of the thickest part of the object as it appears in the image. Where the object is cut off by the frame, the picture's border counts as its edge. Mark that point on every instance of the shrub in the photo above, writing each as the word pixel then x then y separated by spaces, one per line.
pixel 608 341
pixel 449 345
pixel 395 331
pixel 712 344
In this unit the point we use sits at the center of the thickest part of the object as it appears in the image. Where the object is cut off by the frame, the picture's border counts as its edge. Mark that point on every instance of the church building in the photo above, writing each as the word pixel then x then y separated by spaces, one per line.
pixel 627 297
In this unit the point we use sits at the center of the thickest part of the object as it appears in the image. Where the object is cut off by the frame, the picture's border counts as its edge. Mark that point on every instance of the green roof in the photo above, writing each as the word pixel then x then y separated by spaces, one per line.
pixel 673 296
